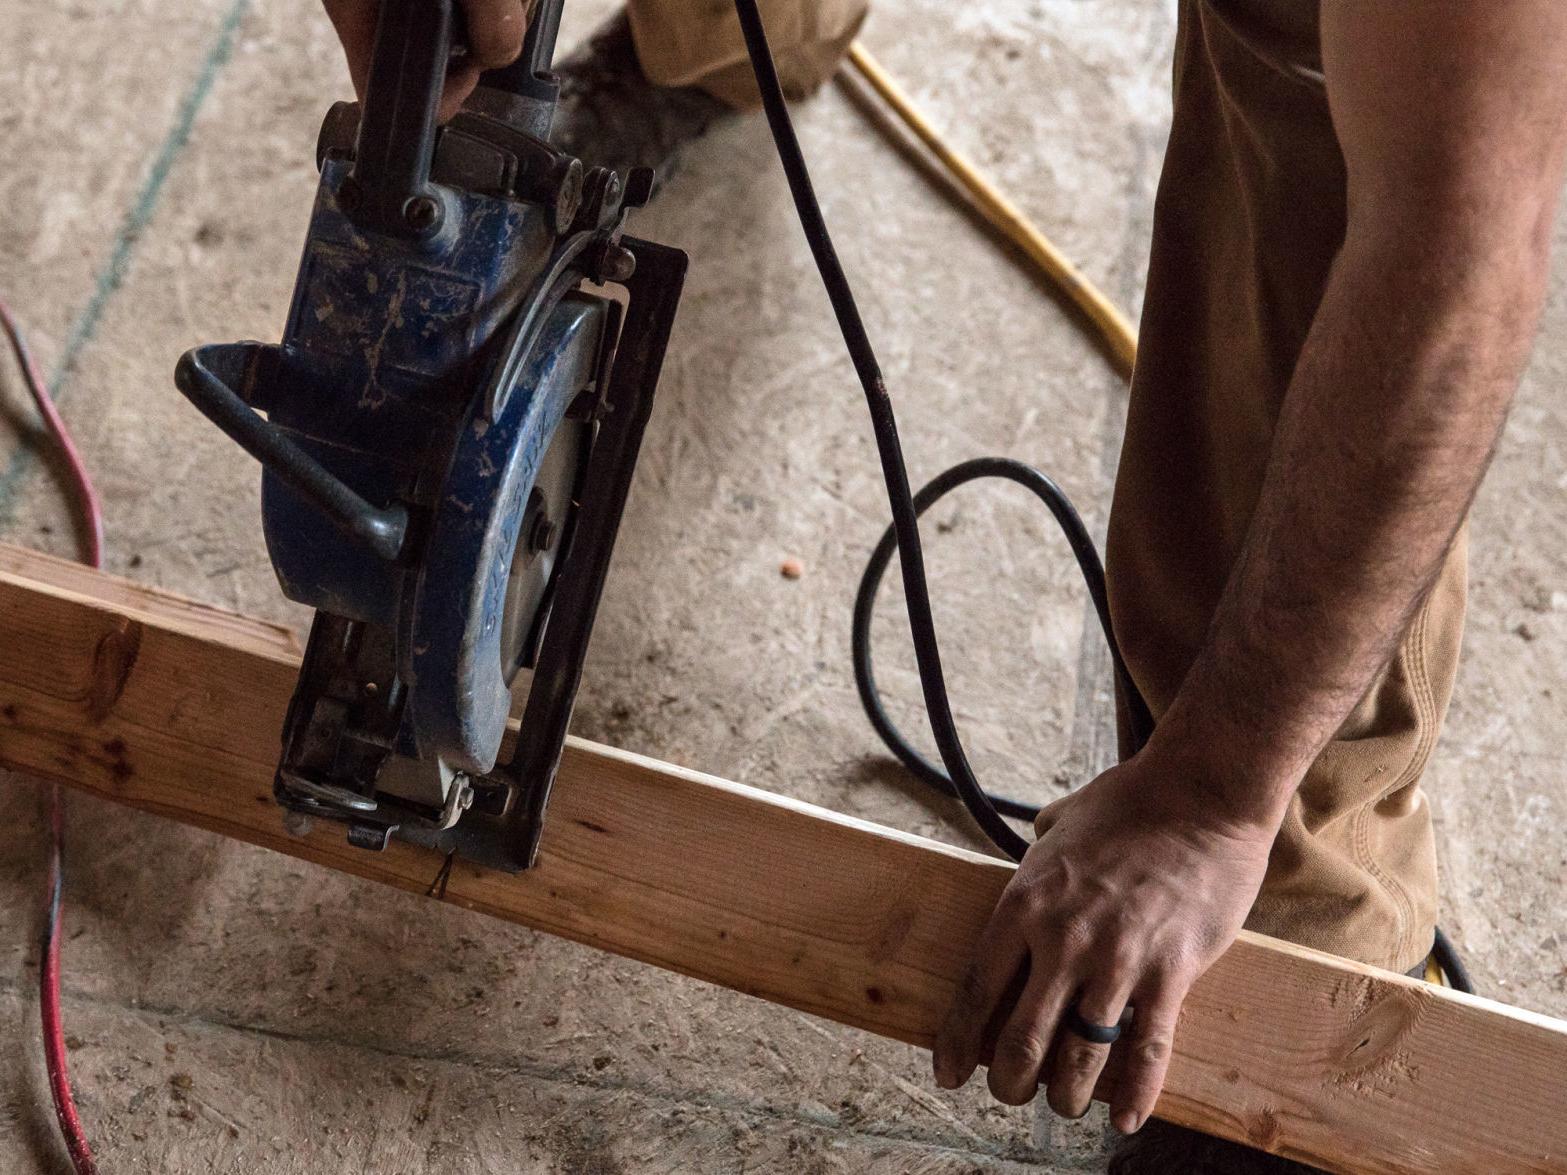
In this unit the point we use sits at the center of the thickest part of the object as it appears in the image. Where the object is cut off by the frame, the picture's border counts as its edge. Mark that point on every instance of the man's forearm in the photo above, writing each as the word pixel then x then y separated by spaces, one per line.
pixel 1452 118
pixel 1386 430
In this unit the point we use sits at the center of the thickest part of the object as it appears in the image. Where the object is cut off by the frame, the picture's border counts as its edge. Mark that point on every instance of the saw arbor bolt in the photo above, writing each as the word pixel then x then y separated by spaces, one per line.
pixel 422 214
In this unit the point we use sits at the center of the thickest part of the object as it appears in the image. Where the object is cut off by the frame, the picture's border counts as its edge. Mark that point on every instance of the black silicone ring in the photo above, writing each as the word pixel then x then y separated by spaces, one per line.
pixel 1093 1033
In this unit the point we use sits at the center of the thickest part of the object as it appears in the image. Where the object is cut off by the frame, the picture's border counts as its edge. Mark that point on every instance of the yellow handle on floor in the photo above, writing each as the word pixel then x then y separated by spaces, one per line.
pixel 1119 335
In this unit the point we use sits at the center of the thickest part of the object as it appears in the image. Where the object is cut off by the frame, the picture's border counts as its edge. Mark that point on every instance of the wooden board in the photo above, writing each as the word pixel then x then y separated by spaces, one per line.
pixel 174 708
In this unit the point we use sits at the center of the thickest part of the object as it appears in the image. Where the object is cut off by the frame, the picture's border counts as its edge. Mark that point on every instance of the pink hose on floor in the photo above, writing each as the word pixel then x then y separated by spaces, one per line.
pixel 49 971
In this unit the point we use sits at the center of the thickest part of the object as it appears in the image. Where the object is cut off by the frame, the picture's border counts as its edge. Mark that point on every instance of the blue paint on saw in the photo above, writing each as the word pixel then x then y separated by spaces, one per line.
pixel 462 698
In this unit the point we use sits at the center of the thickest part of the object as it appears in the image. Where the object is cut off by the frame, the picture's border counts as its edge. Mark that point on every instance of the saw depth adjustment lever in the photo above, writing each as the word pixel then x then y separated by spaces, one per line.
pixel 447 434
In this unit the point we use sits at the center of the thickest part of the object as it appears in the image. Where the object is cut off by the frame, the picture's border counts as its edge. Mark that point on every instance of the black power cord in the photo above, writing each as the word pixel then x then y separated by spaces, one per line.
pixel 1042 487
pixel 958 777
pixel 904 537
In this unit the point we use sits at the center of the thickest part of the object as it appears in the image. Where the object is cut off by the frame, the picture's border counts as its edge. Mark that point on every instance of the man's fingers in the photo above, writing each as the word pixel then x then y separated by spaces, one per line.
pixel 461 78
pixel 495 33
pixel 495 30
pixel 1024 1039
pixel 1144 1053
pixel 354 21
pixel 997 957
pixel 1077 1063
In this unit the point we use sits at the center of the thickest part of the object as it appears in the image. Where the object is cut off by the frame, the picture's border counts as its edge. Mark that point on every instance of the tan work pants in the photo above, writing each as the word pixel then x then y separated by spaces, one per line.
pixel 1249 217
pixel 698 43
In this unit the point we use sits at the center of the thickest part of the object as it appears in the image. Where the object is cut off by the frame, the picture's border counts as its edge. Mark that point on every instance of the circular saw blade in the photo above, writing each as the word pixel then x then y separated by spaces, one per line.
pixel 541 539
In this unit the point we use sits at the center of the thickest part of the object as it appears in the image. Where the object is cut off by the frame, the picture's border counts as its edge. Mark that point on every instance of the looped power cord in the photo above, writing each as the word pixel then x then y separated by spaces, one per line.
pixel 1093 575
pixel 954 775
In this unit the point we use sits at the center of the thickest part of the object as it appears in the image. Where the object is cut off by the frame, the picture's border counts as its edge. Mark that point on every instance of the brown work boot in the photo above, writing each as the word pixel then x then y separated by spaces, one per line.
pixel 1162 1149
pixel 610 115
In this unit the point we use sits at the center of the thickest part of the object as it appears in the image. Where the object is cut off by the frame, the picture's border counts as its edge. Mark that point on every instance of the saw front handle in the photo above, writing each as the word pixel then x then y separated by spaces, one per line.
pixel 381 528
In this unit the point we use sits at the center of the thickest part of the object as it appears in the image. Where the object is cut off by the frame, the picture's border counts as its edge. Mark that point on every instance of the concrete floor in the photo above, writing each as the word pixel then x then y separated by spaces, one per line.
pixel 230 1010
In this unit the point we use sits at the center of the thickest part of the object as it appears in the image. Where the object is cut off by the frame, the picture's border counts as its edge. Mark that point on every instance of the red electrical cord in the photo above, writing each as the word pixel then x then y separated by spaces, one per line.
pixel 49 972
pixel 87 497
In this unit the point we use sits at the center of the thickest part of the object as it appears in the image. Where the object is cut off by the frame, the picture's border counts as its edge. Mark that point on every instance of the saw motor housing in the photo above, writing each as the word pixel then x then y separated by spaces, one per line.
pixel 451 425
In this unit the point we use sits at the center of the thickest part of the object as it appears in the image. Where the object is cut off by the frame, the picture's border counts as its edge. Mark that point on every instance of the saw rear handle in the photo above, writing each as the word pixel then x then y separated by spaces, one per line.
pixel 382 529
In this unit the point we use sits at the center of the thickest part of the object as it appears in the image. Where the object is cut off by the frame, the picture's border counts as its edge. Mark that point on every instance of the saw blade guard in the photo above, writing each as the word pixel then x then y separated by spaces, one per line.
pixel 461 661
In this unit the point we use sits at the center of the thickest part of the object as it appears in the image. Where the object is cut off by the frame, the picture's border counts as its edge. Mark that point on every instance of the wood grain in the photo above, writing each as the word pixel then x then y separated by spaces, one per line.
pixel 173 708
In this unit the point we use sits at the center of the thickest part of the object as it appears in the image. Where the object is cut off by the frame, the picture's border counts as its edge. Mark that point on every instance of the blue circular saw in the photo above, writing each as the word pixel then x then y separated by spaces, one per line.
pixel 447 432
